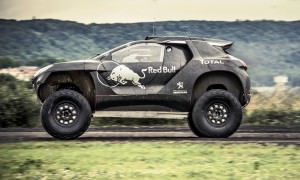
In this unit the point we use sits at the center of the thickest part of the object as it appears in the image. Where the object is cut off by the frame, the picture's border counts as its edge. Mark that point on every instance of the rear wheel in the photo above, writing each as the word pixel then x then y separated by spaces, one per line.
pixel 192 126
pixel 217 113
pixel 66 114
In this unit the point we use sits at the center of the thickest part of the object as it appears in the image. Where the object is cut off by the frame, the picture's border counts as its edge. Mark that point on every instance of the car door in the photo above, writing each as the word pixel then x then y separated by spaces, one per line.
pixel 175 58
pixel 133 69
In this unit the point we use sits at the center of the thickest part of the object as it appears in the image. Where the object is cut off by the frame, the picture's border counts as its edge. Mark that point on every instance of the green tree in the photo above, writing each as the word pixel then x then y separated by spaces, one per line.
pixel 42 62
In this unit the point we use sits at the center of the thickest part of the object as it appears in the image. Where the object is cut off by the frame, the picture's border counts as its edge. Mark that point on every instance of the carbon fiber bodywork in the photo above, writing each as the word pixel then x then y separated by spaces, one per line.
pixel 188 68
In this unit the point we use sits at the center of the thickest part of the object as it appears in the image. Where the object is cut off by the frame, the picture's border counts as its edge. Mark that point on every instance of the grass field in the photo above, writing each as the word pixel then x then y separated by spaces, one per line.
pixel 147 160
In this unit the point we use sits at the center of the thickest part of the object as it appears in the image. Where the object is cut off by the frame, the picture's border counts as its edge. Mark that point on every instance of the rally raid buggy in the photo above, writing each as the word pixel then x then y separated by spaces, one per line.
pixel 185 74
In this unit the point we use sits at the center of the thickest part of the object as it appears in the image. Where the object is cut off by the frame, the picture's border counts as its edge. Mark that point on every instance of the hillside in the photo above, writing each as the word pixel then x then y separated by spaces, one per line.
pixel 269 48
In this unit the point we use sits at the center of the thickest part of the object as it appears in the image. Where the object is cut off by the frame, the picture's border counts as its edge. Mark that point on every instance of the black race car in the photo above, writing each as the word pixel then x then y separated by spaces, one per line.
pixel 186 74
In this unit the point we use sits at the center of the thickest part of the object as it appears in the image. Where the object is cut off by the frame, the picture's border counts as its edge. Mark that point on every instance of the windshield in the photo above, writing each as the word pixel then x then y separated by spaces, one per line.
pixel 101 56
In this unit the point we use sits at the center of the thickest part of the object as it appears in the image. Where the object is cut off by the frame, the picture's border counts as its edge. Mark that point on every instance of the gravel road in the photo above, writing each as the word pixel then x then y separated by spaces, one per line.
pixel 246 134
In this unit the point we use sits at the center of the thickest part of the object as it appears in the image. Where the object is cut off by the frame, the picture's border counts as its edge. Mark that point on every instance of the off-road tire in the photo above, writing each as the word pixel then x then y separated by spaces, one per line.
pixel 209 111
pixel 192 126
pixel 67 102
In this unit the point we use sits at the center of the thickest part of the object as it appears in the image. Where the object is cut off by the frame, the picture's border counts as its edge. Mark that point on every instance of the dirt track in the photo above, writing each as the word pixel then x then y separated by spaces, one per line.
pixel 246 134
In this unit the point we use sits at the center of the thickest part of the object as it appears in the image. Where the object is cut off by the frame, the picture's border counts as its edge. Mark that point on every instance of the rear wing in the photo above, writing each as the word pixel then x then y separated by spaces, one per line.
pixel 224 44
pixel 219 43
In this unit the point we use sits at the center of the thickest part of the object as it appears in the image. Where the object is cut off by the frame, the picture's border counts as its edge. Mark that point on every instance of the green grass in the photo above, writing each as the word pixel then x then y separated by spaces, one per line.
pixel 147 160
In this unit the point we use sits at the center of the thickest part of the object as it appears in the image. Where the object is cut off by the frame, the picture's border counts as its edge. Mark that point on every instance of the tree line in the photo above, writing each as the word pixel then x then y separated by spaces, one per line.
pixel 8 62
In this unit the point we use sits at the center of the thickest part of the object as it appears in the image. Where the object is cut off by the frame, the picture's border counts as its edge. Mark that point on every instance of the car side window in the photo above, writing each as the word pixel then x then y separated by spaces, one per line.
pixel 144 52
pixel 176 55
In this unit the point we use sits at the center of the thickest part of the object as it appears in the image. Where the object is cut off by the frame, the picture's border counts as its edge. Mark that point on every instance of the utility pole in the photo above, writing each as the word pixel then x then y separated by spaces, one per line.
pixel 153 27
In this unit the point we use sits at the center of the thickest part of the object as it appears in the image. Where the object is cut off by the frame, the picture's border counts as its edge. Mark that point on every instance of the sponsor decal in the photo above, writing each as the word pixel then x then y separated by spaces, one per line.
pixel 180 89
pixel 180 85
pixel 122 74
pixel 99 79
pixel 211 61
pixel 161 69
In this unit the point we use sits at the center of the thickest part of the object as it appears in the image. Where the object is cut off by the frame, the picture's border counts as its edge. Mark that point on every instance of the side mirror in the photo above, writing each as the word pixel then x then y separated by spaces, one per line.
pixel 107 56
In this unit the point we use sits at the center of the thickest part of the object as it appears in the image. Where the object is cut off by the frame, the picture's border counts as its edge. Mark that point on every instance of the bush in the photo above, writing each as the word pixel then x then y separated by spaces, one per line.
pixel 17 105
pixel 7 62
pixel 273 117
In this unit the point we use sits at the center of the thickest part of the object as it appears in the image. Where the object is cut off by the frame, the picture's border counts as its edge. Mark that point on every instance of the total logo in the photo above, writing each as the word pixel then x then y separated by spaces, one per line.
pixel 122 74
pixel 211 61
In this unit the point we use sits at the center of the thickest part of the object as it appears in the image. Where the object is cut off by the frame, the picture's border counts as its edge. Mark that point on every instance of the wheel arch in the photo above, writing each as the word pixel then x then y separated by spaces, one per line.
pixel 79 81
pixel 225 80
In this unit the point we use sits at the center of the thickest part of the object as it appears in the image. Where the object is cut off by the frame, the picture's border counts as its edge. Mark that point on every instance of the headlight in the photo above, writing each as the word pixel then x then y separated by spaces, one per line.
pixel 42 70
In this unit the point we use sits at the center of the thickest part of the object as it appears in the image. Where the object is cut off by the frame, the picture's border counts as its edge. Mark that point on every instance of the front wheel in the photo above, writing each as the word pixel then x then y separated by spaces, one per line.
pixel 66 114
pixel 216 114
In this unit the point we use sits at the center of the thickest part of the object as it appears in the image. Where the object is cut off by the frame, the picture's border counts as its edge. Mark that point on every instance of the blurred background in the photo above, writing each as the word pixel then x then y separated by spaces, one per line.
pixel 35 33
pixel 266 35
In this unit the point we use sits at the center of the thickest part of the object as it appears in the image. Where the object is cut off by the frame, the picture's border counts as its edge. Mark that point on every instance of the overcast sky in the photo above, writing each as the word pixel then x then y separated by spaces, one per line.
pixel 111 11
